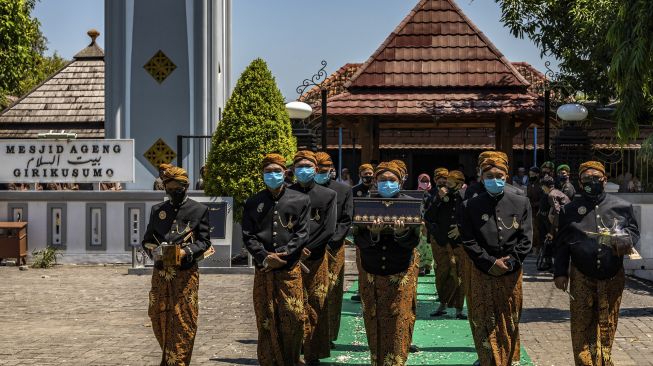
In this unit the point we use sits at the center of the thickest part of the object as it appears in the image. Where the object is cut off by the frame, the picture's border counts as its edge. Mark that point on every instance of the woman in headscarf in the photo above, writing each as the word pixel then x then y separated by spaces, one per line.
pixel 423 182
pixel 388 280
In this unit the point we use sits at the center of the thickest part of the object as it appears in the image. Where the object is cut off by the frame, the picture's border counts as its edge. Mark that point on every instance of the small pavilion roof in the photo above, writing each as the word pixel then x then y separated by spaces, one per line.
pixel 72 99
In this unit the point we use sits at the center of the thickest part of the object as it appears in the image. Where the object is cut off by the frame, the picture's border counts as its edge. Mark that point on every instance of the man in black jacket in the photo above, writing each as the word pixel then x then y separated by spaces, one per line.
pixel 336 248
pixel 275 230
pixel 564 185
pixel 322 226
pixel 173 305
pixel 388 276
pixel 366 173
pixel 596 231
pixel 441 218
pixel 496 233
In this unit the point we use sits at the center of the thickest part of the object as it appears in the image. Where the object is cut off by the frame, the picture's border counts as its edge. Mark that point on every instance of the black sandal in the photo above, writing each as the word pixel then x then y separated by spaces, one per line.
pixel 461 316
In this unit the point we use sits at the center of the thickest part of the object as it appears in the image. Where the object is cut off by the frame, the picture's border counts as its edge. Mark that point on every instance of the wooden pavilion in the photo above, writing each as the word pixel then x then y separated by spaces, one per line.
pixel 436 87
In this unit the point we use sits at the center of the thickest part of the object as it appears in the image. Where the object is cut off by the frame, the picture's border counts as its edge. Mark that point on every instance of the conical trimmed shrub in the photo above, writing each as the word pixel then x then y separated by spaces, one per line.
pixel 254 123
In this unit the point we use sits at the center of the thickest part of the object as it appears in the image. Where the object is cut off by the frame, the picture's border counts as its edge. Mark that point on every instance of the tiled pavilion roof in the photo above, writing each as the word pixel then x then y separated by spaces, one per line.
pixel 71 100
pixel 436 62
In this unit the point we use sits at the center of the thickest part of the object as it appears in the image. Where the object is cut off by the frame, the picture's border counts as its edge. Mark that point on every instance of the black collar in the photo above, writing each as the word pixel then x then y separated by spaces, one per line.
pixel 278 197
pixel 307 187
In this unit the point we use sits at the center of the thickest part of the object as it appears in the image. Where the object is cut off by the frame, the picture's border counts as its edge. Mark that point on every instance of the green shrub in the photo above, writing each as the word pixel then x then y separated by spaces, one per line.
pixel 255 123
pixel 45 258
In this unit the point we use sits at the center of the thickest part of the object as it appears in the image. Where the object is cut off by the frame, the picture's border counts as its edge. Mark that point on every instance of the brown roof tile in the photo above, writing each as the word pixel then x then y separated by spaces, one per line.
pixel 449 103
pixel 436 45
pixel 335 84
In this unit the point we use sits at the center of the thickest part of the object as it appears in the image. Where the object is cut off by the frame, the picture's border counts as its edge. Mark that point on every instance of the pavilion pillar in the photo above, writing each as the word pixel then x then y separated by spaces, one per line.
pixel 505 127
pixel 376 139
pixel 368 135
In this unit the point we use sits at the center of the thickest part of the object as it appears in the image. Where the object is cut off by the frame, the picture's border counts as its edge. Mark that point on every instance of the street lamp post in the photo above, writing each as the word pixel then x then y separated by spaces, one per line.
pixel 552 81
pixel 298 112
pixel 317 80
pixel 572 112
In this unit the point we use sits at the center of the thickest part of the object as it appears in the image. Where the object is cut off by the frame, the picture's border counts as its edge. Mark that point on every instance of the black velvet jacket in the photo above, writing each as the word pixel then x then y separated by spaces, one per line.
pixel 360 190
pixel 495 227
pixel 441 216
pixel 344 212
pixel 322 217
pixel 171 224
pixel 391 254
pixel 585 214
pixel 276 225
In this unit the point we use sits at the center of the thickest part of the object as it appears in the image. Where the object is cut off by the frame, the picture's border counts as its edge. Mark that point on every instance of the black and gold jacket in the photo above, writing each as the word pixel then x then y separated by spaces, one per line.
pixel 583 215
pixel 495 227
pixel 276 225
pixel 391 254
pixel 171 224
pixel 361 190
pixel 322 217
pixel 441 217
pixel 344 212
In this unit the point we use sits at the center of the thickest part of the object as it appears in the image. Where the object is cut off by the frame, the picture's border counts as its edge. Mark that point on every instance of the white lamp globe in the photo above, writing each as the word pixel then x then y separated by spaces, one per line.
pixel 572 112
pixel 299 110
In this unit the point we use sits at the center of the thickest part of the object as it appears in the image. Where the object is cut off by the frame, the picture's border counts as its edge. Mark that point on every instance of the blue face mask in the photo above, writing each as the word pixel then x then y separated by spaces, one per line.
pixel 273 180
pixel 388 188
pixel 494 186
pixel 304 174
pixel 322 178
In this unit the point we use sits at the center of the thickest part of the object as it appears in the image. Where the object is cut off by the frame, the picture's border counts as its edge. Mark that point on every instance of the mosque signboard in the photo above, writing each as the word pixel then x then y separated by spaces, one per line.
pixel 67 161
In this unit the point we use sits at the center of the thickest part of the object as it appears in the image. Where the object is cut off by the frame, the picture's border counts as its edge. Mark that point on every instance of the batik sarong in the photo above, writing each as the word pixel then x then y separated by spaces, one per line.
pixel 173 310
pixel 336 289
pixel 317 340
pixel 494 310
pixel 279 308
pixel 448 275
pixel 594 316
pixel 389 309
pixel 425 253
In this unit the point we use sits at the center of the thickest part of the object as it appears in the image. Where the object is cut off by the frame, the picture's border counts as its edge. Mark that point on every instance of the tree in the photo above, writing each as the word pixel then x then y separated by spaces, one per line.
pixel 631 36
pixel 255 123
pixel 605 49
pixel 21 45
pixel 571 31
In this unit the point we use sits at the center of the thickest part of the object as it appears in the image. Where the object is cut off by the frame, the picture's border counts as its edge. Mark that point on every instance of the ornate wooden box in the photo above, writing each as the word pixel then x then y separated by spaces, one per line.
pixel 170 255
pixel 413 193
pixel 366 210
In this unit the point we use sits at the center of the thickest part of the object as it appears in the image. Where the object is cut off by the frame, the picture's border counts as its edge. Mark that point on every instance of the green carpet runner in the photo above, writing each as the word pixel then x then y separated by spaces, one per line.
pixel 442 341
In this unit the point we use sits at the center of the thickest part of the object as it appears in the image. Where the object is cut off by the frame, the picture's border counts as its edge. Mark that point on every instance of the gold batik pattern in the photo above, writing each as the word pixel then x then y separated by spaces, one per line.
pixel 173 309
pixel 279 308
pixel 317 340
pixel 494 310
pixel 594 317
pixel 449 274
pixel 336 289
pixel 389 308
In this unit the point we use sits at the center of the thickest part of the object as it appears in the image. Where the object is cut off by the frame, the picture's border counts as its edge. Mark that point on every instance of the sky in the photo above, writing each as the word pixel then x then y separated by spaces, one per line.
pixel 292 36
